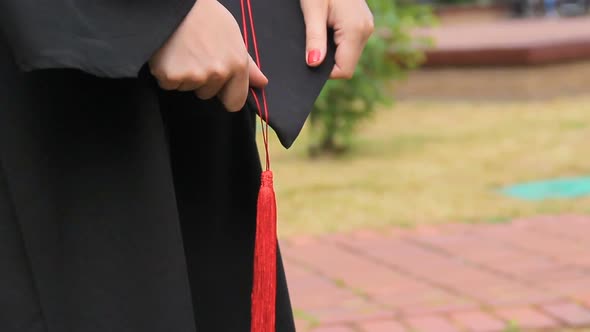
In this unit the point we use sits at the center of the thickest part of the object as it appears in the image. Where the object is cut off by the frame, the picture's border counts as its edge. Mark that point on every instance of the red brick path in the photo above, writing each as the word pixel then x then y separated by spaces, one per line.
pixel 535 272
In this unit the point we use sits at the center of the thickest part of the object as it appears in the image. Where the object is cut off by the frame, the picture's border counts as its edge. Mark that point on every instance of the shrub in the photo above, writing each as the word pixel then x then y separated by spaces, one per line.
pixel 390 53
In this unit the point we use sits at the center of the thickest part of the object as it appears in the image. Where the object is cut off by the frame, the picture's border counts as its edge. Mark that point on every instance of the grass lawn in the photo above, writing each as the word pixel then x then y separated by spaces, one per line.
pixel 434 162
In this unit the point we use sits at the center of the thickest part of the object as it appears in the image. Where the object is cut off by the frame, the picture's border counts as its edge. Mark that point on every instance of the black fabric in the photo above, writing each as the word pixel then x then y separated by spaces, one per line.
pixel 109 38
pixel 124 208
pixel 93 235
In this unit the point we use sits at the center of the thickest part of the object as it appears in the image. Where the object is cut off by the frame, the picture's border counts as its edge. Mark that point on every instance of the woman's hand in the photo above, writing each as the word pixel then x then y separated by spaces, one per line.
pixel 352 22
pixel 207 55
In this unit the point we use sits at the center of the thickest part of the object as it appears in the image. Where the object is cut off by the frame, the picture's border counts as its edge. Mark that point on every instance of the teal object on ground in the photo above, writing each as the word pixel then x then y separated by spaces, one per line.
pixel 547 189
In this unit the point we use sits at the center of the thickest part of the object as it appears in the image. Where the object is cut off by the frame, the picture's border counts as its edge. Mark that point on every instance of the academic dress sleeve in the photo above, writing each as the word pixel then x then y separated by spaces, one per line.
pixel 106 38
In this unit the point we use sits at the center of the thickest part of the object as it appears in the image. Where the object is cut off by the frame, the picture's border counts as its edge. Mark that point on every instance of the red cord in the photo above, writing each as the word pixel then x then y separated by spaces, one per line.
pixel 244 26
pixel 264 124
pixel 264 127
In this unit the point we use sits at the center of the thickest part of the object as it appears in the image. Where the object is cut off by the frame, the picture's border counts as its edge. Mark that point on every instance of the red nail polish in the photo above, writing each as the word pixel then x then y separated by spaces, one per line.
pixel 313 56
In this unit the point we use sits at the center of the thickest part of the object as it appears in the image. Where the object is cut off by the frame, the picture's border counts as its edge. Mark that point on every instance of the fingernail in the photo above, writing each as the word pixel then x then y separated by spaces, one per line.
pixel 314 56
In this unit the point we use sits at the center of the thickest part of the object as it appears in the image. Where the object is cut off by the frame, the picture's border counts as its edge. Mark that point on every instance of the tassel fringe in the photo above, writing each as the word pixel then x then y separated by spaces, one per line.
pixel 265 258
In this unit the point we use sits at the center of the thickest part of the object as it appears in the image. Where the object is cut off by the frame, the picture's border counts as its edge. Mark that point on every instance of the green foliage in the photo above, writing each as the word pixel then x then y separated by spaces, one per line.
pixel 389 54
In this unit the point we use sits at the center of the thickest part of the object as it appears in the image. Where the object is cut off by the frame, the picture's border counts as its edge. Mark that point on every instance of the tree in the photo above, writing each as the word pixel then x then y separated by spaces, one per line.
pixel 390 53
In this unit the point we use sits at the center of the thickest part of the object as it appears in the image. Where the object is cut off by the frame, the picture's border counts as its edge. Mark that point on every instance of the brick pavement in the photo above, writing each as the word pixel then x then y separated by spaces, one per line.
pixel 533 272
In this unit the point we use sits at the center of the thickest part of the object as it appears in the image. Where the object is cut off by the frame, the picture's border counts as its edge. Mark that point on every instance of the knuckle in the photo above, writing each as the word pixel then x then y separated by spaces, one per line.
pixel 241 63
pixel 171 77
pixel 168 82
pixel 363 27
pixel 219 71
pixel 224 73
pixel 195 77
pixel 369 26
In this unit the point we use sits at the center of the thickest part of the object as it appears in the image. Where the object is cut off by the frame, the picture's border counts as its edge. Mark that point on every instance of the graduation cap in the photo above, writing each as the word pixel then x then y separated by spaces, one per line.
pixel 274 33
pixel 293 86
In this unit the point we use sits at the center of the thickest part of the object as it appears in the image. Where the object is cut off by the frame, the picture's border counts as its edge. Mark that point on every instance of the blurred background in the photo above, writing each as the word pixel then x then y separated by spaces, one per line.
pixel 447 186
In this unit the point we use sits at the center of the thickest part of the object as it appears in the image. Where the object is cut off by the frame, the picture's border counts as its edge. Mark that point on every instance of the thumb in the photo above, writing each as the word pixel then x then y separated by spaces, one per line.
pixel 315 13
pixel 257 78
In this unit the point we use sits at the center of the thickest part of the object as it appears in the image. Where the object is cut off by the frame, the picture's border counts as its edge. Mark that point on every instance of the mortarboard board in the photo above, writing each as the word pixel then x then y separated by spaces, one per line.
pixel 293 85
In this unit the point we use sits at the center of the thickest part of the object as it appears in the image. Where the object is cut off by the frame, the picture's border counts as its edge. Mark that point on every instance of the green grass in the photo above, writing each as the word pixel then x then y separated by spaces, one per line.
pixel 435 162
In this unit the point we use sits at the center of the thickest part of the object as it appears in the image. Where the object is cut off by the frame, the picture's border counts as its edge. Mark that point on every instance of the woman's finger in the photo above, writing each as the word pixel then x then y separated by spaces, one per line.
pixel 256 77
pixel 192 83
pixel 315 13
pixel 235 92
pixel 347 56
pixel 212 87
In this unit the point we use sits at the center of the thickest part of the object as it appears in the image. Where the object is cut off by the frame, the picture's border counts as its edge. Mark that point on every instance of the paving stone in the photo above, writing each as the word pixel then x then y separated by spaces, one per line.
pixel 569 287
pixel 333 329
pixel 511 260
pixel 505 293
pixel 571 313
pixel 527 318
pixel 584 299
pixel 349 311
pixel 431 324
pixel 582 260
pixel 314 291
pixel 554 273
pixel 426 301
pixel 478 321
pixel 382 326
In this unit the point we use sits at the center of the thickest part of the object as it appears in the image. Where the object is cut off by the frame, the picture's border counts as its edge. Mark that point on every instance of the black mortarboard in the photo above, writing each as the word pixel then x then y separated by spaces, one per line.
pixel 293 85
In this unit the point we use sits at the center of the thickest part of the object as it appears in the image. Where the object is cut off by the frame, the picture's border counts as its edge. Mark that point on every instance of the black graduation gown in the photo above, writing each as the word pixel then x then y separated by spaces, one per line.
pixel 122 207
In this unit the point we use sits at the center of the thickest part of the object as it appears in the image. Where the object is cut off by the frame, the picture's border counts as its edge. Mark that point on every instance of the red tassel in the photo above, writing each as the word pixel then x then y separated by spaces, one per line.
pixel 264 288
pixel 265 259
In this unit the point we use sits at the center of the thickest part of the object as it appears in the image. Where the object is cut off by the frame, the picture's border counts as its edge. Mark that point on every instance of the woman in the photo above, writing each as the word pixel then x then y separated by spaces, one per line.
pixel 127 203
